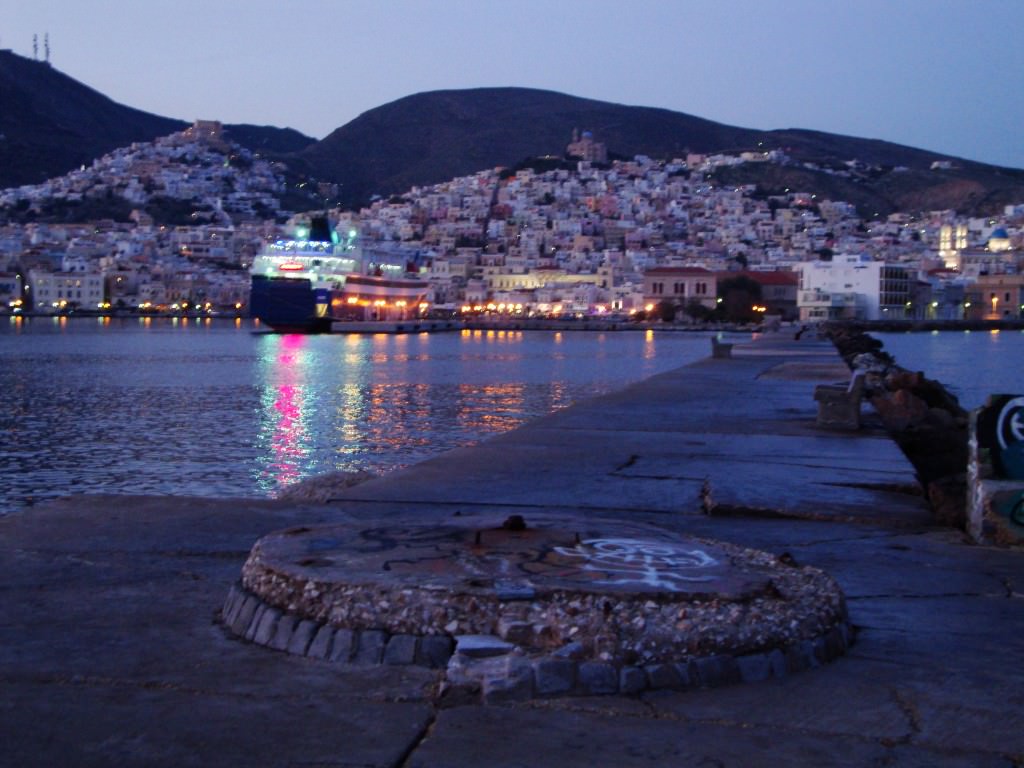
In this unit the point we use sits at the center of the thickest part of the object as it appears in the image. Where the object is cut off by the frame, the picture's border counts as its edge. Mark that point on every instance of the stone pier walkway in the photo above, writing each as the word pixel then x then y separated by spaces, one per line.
pixel 111 652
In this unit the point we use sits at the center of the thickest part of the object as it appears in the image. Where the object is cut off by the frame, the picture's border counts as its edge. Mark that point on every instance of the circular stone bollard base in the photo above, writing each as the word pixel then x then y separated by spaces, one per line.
pixel 549 606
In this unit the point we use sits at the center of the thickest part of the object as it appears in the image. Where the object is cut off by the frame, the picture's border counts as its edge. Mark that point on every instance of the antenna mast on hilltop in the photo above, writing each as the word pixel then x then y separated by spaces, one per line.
pixel 35 47
pixel 46 47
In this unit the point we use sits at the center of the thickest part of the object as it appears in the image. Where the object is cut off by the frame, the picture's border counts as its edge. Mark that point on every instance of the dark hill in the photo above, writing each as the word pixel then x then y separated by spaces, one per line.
pixel 51 124
pixel 430 137
pixel 268 139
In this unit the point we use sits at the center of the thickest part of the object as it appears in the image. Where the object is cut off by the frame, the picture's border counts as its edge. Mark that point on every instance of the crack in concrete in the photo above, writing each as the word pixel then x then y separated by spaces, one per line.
pixel 910 711
pixel 907 707
pixel 102 681
pixel 901 488
pixel 864 537
pixel 422 735
pixel 674 478
pixel 627 463
pixel 798 461
pixel 504 505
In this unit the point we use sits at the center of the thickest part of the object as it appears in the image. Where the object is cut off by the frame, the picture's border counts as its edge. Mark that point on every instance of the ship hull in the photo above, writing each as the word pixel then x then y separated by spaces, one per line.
pixel 286 305
pixel 290 305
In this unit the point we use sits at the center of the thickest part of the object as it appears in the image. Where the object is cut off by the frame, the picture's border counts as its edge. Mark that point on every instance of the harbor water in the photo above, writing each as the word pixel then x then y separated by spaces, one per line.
pixel 971 364
pixel 210 408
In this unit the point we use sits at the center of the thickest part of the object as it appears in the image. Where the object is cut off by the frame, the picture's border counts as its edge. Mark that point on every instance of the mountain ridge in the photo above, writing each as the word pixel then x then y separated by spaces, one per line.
pixel 51 123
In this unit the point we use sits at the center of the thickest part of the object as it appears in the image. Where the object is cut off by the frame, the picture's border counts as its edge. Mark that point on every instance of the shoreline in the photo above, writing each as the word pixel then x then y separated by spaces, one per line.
pixel 911 326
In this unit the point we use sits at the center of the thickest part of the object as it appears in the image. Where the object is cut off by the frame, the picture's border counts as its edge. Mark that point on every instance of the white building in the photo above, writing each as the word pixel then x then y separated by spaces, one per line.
pixel 853 286
pixel 54 291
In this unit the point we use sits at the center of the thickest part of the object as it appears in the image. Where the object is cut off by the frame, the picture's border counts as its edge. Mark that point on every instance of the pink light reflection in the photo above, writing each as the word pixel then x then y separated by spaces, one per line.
pixel 289 441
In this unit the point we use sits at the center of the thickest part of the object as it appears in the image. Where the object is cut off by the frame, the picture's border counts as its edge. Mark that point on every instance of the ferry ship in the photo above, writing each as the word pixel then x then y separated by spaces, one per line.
pixel 304 284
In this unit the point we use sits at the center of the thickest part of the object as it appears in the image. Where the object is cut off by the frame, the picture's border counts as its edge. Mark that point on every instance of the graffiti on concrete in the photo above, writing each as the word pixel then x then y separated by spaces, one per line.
pixel 646 563
pixel 516 563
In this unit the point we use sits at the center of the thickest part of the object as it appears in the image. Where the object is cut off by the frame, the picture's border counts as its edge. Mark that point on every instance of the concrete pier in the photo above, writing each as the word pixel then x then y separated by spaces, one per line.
pixel 112 650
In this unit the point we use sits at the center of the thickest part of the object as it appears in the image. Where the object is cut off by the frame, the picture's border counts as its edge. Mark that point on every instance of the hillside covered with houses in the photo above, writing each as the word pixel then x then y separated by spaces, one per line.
pixel 577 235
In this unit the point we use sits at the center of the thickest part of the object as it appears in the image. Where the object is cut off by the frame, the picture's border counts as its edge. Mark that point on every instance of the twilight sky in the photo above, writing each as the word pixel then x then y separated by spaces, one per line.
pixel 944 75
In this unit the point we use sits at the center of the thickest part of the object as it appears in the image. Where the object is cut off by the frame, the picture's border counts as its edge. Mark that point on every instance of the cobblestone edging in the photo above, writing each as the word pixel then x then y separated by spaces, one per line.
pixel 485 667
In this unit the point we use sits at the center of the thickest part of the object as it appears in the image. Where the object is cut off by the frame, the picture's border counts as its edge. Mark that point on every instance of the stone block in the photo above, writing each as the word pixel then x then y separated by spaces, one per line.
pixel 720 350
pixel 232 603
pixel 302 636
pixel 515 685
pixel 834 644
pixel 257 617
pixel 632 680
pixel 554 676
pixel 508 591
pixel 482 646
pixel 283 632
pixel 244 614
pixel 320 647
pixel 344 645
pixel 662 675
pixel 401 649
pixel 820 649
pixel 370 647
pixel 795 661
pixel 267 626
pixel 809 654
pixel 777 660
pixel 729 670
pixel 434 651
pixel 754 668
pixel 686 672
pixel 573 650
pixel 709 671
pixel 848 633
pixel 518 632
pixel 597 677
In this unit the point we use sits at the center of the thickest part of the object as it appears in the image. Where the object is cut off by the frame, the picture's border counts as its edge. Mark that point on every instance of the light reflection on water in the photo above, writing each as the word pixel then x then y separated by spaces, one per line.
pixel 206 407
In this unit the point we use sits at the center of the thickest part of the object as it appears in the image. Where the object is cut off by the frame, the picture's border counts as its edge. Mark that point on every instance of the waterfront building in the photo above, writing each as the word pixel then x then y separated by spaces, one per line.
pixel 996 297
pixel 854 286
pixel 53 292
pixel 948 292
pixel 680 286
